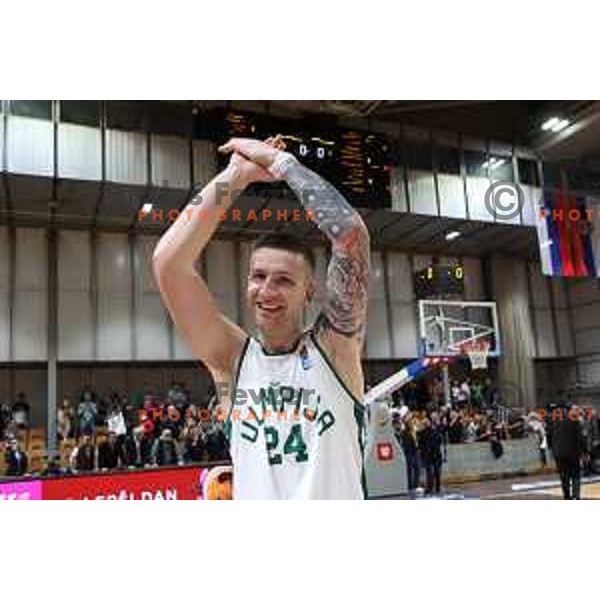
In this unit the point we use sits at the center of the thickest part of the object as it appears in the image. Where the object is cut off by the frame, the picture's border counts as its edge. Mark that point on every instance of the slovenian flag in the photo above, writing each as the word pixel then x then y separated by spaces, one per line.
pixel 569 242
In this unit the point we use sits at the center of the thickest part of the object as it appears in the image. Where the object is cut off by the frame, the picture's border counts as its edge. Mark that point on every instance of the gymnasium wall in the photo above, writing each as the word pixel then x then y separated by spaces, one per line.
pixel 109 309
pixel 584 299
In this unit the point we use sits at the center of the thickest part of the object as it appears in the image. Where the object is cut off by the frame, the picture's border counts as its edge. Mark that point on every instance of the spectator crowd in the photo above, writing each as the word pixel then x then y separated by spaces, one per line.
pixel 100 433
pixel 425 422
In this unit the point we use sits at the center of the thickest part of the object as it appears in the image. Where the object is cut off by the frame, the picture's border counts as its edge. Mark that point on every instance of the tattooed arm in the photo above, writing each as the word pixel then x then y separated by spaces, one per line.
pixel 345 309
pixel 341 324
pixel 348 273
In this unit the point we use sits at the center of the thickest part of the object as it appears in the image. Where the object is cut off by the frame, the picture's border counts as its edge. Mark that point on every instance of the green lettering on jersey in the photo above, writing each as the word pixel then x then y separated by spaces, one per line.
pixel 295 444
pixel 249 432
pixel 325 420
pixel 272 440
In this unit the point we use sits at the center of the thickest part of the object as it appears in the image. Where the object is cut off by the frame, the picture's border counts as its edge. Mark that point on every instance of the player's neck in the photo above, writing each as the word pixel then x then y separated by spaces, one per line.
pixel 280 343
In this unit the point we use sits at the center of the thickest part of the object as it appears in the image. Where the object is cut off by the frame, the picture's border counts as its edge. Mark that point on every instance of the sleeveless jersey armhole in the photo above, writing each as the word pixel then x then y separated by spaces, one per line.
pixel 227 424
pixel 360 410
pixel 322 352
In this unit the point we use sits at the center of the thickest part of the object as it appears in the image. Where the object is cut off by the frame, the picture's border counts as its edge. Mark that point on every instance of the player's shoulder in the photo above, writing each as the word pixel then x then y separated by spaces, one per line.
pixel 343 356
pixel 335 343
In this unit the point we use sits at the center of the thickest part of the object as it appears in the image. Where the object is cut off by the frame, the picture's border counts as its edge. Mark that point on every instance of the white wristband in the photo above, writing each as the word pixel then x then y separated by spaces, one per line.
pixel 282 161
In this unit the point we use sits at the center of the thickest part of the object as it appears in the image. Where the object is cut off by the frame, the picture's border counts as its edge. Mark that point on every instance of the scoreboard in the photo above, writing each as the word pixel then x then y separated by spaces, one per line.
pixel 355 162
pixel 439 281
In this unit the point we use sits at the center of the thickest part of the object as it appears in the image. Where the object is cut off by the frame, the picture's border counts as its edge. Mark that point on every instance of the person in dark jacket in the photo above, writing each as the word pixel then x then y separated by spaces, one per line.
pixel 215 444
pixel 138 448
pixel 568 443
pixel 85 455
pixel 164 451
pixel 407 437
pixel 430 450
pixel 16 460
pixel 110 455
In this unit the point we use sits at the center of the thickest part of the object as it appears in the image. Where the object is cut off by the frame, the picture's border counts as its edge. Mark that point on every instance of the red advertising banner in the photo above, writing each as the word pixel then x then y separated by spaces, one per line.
pixel 183 483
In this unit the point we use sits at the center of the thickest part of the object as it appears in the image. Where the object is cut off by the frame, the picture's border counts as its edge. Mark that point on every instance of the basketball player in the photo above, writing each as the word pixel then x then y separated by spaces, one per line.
pixel 295 419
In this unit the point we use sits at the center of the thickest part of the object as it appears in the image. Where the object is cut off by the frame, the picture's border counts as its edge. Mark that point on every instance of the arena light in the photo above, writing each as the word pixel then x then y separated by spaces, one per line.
pixel 452 235
pixel 550 123
pixel 560 125
pixel 493 163
pixel 147 207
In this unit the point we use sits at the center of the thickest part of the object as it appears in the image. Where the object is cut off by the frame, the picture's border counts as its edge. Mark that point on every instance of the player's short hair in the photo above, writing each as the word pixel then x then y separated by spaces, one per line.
pixel 289 242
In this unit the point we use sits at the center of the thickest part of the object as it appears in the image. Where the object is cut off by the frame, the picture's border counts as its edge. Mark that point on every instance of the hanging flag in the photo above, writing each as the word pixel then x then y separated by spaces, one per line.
pixel 568 236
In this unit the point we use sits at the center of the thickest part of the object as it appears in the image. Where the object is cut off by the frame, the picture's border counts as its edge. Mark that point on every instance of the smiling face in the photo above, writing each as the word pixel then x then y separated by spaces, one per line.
pixel 280 287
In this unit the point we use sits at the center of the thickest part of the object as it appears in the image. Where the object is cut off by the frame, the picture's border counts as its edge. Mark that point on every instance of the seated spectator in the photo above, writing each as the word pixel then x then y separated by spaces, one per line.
pixel 189 422
pixel 471 431
pixel 164 451
pixel 192 442
pixel 138 448
pixel 131 415
pixel 172 419
pixel 215 444
pixel 455 428
pixel 16 459
pixel 84 457
pixel 53 468
pixel 110 454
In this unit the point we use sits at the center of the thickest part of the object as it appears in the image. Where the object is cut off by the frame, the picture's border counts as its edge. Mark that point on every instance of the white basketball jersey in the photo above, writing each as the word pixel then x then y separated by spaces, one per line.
pixel 295 431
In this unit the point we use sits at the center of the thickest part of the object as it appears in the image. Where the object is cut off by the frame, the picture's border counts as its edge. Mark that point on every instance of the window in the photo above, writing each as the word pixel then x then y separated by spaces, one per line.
pixel 127 115
pixel 419 156
pixel 448 160
pixel 37 109
pixel 528 172
pixel 476 163
pixel 501 167
pixel 170 119
pixel 81 112
pixel 552 176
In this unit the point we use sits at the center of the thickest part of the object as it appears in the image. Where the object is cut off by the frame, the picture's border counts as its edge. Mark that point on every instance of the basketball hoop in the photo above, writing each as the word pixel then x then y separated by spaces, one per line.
pixel 478 352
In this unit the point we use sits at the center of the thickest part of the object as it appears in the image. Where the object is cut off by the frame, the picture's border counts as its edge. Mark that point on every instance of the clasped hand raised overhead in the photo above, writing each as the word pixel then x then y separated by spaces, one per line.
pixel 253 158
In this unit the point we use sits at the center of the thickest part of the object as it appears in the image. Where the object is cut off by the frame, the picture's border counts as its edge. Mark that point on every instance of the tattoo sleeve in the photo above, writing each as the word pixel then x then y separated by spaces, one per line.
pixel 349 268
